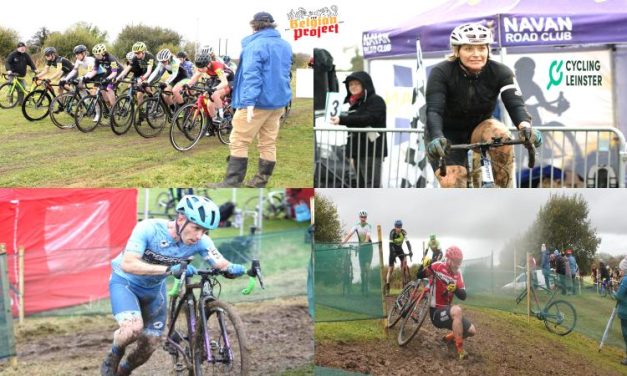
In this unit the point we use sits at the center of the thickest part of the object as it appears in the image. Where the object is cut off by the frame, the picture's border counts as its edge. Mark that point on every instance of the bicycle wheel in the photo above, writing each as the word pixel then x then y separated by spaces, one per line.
pixel 227 343
pixel 122 115
pixel 167 203
pixel 180 337
pixel 413 319
pixel 224 131
pixel 36 105
pixel 560 317
pixel 62 110
pixel 187 127
pixel 401 300
pixel 9 95
pixel 155 116
pixel 88 113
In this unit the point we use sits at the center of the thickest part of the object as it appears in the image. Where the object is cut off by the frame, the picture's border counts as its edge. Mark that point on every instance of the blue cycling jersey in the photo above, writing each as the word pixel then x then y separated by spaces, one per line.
pixel 152 241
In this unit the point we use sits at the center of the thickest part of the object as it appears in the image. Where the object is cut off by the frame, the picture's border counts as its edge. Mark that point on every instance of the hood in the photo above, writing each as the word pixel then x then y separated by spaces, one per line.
pixel 364 78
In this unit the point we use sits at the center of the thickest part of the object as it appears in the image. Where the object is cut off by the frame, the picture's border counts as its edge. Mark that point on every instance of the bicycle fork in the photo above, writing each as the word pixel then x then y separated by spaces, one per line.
pixel 210 345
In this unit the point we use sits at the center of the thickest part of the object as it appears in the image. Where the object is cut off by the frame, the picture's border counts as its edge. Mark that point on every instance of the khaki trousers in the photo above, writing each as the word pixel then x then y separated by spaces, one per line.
pixel 264 125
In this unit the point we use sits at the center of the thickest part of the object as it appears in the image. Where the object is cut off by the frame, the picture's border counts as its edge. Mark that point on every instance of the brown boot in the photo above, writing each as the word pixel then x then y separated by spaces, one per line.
pixel 263 174
pixel 235 173
pixel 110 364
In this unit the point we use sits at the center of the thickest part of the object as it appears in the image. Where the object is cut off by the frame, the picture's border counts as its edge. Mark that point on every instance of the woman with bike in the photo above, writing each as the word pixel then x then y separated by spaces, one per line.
pixel 397 236
pixel 447 282
pixel 461 96
pixel 363 230
pixel 156 249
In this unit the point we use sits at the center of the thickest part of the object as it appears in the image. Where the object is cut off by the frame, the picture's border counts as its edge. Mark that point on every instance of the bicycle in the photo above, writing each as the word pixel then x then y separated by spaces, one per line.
pixel 192 121
pixel 156 111
pixel 605 286
pixel 487 180
pixel 123 110
pixel 556 314
pixel 273 205
pixel 91 109
pixel 63 107
pixel 36 104
pixel 212 339
pixel 12 91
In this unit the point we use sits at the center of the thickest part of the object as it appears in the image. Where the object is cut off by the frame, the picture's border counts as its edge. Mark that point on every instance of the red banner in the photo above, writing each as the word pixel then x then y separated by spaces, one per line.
pixel 69 236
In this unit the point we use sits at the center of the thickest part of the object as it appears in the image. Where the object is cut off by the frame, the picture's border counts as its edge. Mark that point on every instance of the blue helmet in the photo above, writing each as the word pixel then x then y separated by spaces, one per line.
pixel 398 223
pixel 200 210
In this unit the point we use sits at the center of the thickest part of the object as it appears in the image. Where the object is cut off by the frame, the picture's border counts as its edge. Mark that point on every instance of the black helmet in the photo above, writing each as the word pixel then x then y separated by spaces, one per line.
pixel 182 55
pixel 202 60
pixel 49 51
pixel 79 49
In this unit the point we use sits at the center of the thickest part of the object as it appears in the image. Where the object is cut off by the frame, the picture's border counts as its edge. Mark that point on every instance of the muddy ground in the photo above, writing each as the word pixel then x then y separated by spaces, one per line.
pixel 500 348
pixel 279 331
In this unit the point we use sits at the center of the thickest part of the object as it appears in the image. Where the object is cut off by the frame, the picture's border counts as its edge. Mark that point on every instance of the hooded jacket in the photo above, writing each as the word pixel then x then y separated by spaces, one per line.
pixel 368 111
pixel 17 63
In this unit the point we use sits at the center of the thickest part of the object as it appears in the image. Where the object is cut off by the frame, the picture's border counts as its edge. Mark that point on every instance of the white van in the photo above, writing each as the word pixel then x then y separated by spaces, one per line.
pixel 521 281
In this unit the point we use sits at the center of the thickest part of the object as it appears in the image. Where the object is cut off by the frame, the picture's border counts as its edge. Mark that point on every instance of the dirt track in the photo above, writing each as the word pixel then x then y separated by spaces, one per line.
pixel 280 332
pixel 499 349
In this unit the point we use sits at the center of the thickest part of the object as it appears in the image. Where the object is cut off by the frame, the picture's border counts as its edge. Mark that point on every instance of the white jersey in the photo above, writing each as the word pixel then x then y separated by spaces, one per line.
pixel 88 63
pixel 363 231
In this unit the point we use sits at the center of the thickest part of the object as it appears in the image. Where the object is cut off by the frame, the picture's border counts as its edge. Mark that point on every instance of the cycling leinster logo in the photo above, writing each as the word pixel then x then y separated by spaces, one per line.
pixel 314 23
pixel 575 73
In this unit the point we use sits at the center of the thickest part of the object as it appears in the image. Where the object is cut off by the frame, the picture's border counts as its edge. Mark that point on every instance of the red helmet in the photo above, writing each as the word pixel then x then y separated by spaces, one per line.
pixel 569 251
pixel 454 253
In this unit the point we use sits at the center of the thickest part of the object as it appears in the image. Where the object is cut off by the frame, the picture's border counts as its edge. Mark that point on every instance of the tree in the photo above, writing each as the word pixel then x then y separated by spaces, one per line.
pixel 79 33
pixel 38 40
pixel 154 37
pixel 300 60
pixel 8 41
pixel 357 62
pixel 328 227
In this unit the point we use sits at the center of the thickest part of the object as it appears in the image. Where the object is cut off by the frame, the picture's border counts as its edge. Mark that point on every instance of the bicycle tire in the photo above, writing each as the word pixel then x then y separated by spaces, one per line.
pixel 219 315
pixel 88 107
pixel 65 118
pixel 422 307
pixel 395 313
pixel 165 201
pixel 558 322
pixel 122 114
pixel 34 103
pixel 188 126
pixel 155 117
pixel 9 97
pixel 224 130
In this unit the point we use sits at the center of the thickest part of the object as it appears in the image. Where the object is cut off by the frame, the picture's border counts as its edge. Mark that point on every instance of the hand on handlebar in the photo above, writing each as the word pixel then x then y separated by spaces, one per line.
pixel 451 287
pixel 525 132
pixel 177 270
pixel 437 148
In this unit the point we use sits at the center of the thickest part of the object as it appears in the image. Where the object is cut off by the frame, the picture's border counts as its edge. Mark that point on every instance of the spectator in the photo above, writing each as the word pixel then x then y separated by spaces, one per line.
pixel 621 297
pixel 546 265
pixel 567 273
pixel 367 109
pixel 604 274
pixel 574 268
pixel 594 273
pixel 560 269
pixel 16 63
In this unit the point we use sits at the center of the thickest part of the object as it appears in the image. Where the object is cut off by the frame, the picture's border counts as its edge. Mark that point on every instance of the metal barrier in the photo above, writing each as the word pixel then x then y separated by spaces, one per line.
pixel 571 157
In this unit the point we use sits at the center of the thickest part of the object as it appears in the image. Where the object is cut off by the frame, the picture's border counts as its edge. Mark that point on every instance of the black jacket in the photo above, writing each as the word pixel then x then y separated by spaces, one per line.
pixel 368 111
pixel 17 62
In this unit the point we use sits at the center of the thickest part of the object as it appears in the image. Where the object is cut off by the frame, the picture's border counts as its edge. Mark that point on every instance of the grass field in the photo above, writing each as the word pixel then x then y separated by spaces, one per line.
pixel 38 154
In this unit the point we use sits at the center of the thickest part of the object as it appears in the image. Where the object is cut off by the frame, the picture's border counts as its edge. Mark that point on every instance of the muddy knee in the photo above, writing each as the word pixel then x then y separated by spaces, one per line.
pixel 456 177
pixel 131 327
pixel 456 312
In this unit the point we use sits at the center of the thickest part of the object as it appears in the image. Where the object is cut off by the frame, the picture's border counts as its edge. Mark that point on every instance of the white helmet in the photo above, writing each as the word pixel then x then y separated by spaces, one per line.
pixel 164 55
pixel 472 33
pixel 363 213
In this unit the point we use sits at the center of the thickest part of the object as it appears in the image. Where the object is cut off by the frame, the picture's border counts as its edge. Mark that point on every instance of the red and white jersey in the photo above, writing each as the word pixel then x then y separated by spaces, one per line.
pixel 440 296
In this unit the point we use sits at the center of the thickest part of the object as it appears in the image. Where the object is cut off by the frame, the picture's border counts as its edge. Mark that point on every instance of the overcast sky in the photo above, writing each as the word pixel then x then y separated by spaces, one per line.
pixel 478 221
pixel 210 21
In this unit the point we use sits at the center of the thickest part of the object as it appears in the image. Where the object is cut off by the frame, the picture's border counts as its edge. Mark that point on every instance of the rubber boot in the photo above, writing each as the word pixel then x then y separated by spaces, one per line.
pixel 263 174
pixel 235 173
pixel 110 364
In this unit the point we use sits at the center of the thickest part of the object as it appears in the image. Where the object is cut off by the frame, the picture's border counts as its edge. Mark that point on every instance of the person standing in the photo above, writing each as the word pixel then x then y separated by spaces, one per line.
pixel 16 63
pixel 546 265
pixel 574 268
pixel 261 90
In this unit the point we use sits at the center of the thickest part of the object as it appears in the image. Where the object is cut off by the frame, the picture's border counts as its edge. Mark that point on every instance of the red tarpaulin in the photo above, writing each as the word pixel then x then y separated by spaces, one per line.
pixel 69 236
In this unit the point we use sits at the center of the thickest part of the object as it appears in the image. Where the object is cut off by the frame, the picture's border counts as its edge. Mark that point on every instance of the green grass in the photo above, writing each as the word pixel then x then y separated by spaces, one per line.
pixel 39 154
pixel 348 331
pixel 302 371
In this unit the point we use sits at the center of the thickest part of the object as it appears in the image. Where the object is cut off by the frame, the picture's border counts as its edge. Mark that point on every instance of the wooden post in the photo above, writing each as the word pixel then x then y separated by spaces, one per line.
pixel 528 289
pixel 21 284
pixel 381 262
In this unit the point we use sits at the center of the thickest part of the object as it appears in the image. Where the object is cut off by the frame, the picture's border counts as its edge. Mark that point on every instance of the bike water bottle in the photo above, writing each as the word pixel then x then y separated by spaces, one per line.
pixel 238 218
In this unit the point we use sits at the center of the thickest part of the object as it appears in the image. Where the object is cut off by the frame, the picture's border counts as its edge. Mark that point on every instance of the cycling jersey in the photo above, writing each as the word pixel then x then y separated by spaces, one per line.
pixel 139 66
pixel 87 63
pixel 440 296
pixel 458 101
pixel 175 70
pixel 398 238
pixel 215 68
pixel 106 65
pixel 152 241
pixel 362 231
pixel 65 65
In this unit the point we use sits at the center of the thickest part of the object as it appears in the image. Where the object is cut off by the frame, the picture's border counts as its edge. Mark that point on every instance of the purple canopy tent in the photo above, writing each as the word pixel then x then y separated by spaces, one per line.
pixel 516 23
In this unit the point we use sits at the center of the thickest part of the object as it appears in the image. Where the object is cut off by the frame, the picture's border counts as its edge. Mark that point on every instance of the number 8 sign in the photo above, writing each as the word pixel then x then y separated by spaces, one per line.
pixel 333 106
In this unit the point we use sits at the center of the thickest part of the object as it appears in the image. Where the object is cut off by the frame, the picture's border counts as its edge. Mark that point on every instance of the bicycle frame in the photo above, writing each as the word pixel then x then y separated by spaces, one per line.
pixel 17 85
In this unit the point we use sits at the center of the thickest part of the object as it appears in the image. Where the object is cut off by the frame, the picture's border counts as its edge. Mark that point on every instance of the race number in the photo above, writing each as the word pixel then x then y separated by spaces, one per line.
pixel 333 106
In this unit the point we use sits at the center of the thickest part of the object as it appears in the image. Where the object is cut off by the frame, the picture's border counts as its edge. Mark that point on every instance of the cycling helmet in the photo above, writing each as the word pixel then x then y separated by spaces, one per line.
pixel 472 33
pixel 80 49
pixel 182 55
pixel 398 223
pixel 99 49
pixel 226 59
pixel 454 253
pixel 164 55
pixel 363 213
pixel 206 50
pixel 139 47
pixel 130 56
pixel 49 51
pixel 432 236
pixel 200 210
pixel 202 60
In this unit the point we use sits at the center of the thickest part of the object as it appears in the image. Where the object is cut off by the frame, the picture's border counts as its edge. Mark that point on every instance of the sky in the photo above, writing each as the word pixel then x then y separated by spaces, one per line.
pixel 478 221
pixel 206 22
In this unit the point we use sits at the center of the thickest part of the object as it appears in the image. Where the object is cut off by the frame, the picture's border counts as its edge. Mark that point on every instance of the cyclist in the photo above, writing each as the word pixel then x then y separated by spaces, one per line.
pixel 82 61
pixel 436 255
pixel 62 65
pixel 16 63
pixel 176 73
pixel 137 285
pixel 397 236
pixel 187 65
pixel 461 96
pixel 229 63
pixel 105 69
pixel 141 66
pixel 363 231
pixel 443 313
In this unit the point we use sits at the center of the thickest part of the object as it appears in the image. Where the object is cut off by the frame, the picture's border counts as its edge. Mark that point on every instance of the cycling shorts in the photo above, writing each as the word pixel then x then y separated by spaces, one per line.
pixel 131 300
pixel 395 251
pixel 441 318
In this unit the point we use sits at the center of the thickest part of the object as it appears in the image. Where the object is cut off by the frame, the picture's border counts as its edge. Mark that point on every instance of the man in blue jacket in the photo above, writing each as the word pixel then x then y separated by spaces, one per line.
pixel 261 90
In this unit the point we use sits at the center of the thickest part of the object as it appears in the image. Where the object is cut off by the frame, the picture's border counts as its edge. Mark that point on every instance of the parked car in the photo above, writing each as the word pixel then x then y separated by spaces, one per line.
pixel 521 281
